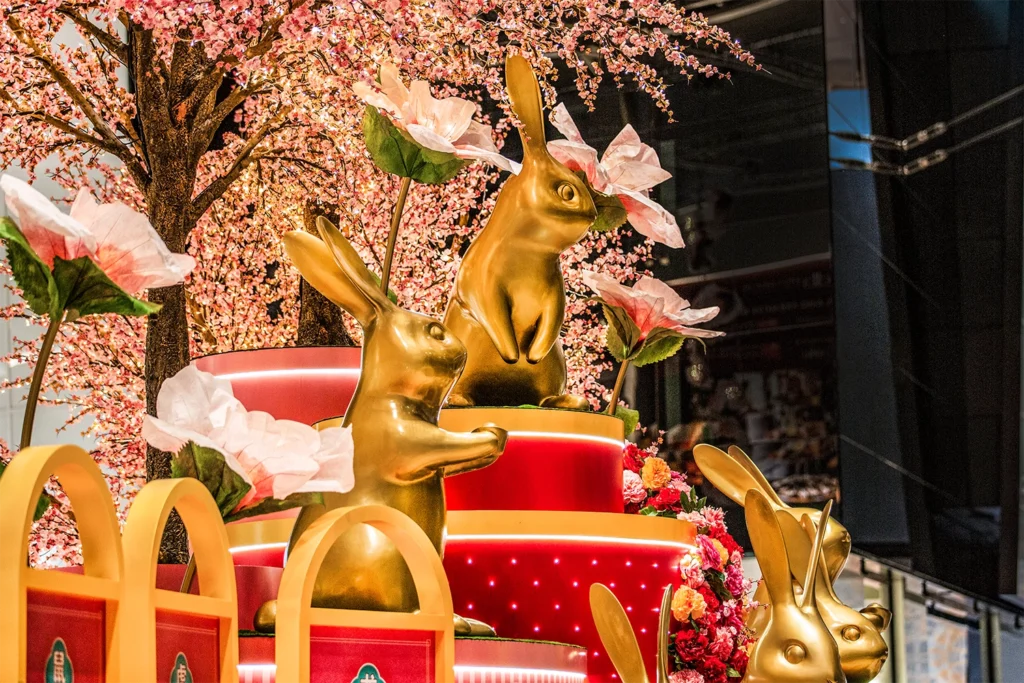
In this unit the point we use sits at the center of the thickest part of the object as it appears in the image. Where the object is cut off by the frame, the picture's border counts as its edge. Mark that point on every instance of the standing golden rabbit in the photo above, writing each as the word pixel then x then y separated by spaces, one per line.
pixel 410 363
pixel 508 304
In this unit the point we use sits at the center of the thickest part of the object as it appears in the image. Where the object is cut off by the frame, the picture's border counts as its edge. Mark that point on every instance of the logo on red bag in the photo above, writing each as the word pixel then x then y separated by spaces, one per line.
pixel 181 673
pixel 58 666
pixel 368 673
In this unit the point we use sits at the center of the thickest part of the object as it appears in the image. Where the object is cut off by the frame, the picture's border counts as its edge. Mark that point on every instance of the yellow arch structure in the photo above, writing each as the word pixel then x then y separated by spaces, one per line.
pixel 295 615
pixel 141 541
pixel 102 561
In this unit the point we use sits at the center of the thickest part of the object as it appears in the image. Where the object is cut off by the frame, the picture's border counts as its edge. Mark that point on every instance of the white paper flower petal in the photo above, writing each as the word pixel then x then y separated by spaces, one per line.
pixel 650 218
pixel 449 118
pixel 49 231
pixel 372 97
pixel 564 124
pixel 631 164
pixel 128 248
pixel 651 303
pixel 429 138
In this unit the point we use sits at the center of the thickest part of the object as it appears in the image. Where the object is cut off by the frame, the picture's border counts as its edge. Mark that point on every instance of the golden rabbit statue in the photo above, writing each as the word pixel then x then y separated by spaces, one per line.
pixel 508 303
pixel 410 363
pixel 862 650
pixel 619 640
pixel 795 645
pixel 858 634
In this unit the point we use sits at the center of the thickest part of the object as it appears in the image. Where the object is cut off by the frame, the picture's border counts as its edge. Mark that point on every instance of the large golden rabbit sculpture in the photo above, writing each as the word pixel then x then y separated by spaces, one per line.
pixel 858 634
pixel 410 363
pixel 618 638
pixel 508 304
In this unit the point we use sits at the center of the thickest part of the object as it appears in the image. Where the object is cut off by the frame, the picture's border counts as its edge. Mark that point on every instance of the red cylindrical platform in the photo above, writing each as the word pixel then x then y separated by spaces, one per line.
pixel 302 383
pixel 554 460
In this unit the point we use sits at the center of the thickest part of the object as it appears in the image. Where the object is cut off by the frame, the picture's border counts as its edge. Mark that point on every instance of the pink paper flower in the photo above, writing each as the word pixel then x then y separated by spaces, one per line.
pixel 276 457
pixel 119 240
pixel 633 487
pixel 441 125
pixel 651 304
pixel 628 170
pixel 686 676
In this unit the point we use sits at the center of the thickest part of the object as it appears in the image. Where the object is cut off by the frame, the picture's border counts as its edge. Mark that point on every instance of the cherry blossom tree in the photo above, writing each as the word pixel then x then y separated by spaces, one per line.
pixel 223 120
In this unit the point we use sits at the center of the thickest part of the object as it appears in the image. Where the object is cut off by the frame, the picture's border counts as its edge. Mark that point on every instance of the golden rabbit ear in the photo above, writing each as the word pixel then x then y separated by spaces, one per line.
pixel 351 263
pixel 810 600
pixel 769 548
pixel 664 624
pixel 744 460
pixel 799 537
pixel 524 91
pixel 809 531
pixel 315 261
pixel 617 635
pixel 727 474
pixel 877 615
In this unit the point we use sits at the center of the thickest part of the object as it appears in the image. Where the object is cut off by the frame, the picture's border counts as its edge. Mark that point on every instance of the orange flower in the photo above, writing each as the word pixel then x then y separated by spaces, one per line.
pixel 655 473
pixel 721 551
pixel 687 603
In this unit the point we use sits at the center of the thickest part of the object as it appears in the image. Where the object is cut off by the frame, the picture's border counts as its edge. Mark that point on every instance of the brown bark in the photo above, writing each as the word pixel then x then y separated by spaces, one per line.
pixel 321 322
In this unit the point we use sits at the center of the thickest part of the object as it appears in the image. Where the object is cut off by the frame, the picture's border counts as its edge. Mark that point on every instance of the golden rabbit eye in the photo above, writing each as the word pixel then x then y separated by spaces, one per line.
pixel 436 331
pixel 795 653
pixel 567 192
pixel 851 633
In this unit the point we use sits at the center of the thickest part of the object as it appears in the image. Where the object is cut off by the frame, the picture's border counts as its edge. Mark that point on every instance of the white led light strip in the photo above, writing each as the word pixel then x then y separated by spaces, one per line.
pixel 568 437
pixel 261 546
pixel 259 672
pixel 570 538
pixel 315 372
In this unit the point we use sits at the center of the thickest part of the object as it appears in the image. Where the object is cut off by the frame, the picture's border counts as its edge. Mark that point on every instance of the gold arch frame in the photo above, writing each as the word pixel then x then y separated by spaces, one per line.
pixel 219 599
pixel 102 561
pixel 295 615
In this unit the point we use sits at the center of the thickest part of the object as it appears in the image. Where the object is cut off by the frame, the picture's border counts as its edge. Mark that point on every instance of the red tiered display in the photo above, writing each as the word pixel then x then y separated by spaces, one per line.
pixel 527 535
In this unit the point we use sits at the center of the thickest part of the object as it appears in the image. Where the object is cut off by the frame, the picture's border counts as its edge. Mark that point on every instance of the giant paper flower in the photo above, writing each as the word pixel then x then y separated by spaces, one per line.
pixel 273 459
pixel 626 172
pixel 117 239
pixel 648 321
pixel 444 127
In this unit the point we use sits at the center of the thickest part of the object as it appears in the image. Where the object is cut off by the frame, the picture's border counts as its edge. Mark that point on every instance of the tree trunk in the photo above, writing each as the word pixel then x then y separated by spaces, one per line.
pixel 321 322
pixel 167 339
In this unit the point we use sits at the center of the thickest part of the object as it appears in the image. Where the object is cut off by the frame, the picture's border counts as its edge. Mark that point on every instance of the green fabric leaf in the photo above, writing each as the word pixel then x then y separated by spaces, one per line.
pixel 396 153
pixel 649 511
pixel 86 290
pixel 30 272
pixel 207 465
pixel 268 505
pixel 629 418
pixel 391 292
pixel 611 214
pixel 662 343
pixel 623 334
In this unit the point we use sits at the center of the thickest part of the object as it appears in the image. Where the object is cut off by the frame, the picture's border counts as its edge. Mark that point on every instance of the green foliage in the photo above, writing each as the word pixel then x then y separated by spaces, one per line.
pixel 268 505
pixel 77 286
pixel 208 466
pixel 391 292
pixel 396 153
pixel 690 501
pixel 623 335
pixel 611 214
pixel 629 418
pixel 660 345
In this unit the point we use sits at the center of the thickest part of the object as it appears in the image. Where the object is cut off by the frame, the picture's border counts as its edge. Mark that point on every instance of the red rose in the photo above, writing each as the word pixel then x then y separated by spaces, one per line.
pixel 632 508
pixel 710 599
pixel 666 499
pixel 632 458
pixel 739 660
pixel 713 670
pixel 691 645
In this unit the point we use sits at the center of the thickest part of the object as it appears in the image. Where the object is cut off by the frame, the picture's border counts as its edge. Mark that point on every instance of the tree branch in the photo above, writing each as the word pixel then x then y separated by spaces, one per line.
pixel 111 43
pixel 60 124
pixel 246 156
pixel 111 142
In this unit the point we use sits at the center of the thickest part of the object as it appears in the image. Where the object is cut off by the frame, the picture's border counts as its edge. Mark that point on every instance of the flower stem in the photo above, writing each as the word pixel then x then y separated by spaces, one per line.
pixel 613 402
pixel 396 220
pixel 37 379
pixel 190 574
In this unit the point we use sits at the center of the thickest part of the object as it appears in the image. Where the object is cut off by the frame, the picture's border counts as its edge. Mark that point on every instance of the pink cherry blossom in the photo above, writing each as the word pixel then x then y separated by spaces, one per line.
pixel 119 240
pixel 444 125
pixel 652 304
pixel 628 170
pixel 276 457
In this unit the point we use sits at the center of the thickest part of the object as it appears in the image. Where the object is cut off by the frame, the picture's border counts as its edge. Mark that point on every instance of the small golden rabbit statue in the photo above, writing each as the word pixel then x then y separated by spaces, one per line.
pixel 508 303
pixel 410 363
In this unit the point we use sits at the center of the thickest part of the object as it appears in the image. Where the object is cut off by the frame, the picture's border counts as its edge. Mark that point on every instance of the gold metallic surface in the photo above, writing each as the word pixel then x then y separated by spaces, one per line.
pixel 508 303
pixel 795 645
pixel 862 650
pixel 529 420
pixel 858 635
pixel 410 363
pixel 617 635
pixel 734 473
